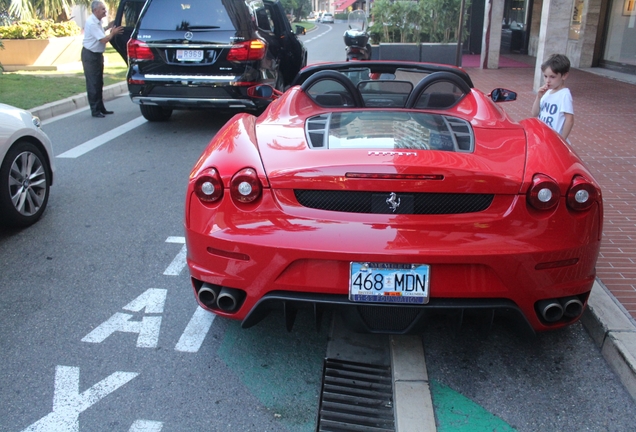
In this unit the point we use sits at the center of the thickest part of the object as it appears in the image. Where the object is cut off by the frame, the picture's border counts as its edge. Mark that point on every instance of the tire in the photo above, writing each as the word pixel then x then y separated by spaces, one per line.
pixel 25 179
pixel 155 113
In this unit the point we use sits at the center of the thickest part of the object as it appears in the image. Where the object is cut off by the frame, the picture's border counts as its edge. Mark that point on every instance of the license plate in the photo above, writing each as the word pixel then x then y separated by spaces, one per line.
pixel 189 55
pixel 388 283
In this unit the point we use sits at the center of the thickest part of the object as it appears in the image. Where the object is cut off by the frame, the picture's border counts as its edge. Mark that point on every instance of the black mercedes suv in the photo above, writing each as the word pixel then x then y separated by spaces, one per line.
pixel 205 53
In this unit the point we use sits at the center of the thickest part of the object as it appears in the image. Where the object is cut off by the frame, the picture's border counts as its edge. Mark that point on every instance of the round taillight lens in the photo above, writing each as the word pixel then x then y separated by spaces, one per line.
pixel 582 194
pixel 544 193
pixel 245 186
pixel 208 187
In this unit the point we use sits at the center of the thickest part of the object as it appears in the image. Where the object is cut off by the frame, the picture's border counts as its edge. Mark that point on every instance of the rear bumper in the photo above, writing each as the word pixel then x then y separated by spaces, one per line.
pixel 386 319
pixel 177 103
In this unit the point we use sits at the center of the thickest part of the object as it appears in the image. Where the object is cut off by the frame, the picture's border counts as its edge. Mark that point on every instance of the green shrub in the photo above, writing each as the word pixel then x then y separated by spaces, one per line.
pixel 39 29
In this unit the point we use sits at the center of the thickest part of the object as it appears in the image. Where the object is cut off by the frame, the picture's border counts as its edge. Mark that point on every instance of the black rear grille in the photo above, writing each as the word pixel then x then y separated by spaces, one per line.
pixel 388 319
pixel 356 397
pixel 376 202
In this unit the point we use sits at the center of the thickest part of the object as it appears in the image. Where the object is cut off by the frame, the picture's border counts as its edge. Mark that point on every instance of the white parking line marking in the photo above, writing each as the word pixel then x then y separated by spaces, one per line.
pixel 175 239
pixel 68 403
pixel 146 426
pixel 152 301
pixel 178 263
pixel 102 139
pixel 195 332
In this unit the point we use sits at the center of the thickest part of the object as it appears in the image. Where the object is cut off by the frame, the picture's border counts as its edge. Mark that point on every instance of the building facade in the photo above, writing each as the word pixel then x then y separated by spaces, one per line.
pixel 590 32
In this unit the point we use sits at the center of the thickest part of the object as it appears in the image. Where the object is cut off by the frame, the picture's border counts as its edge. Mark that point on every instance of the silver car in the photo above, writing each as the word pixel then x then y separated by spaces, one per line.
pixel 327 18
pixel 26 167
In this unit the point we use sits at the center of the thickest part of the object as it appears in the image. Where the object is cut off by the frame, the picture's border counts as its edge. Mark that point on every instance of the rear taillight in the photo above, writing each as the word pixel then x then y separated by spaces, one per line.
pixel 247 51
pixel 544 193
pixel 582 194
pixel 208 187
pixel 245 186
pixel 138 50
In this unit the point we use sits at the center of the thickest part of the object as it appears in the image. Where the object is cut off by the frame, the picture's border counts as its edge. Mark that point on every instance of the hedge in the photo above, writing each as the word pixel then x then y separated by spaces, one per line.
pixel 39 29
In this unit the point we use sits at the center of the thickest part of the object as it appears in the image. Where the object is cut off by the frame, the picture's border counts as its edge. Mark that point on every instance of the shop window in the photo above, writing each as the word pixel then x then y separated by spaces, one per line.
pixel 575 22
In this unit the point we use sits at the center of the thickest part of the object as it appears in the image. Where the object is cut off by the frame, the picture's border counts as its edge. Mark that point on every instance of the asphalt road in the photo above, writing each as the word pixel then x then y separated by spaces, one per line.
pixel 99 329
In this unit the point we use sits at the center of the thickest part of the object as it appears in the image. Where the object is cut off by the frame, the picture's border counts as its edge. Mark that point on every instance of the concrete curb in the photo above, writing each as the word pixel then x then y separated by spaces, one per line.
pixel 614 333
pixel 50 110
pixel 413 404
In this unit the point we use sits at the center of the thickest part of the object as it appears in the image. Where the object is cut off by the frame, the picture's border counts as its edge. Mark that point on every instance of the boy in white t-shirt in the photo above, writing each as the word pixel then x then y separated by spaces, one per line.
pixel 553 104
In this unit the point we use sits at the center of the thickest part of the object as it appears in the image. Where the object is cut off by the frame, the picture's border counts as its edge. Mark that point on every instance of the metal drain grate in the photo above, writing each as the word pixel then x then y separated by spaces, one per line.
pixel 355 397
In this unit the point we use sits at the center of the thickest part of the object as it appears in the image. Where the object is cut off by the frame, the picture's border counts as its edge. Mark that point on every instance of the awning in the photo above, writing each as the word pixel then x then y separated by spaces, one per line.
pixel 342 5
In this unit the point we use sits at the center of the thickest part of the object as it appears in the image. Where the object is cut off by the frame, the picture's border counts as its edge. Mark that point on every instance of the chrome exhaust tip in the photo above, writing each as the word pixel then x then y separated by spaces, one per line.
pixel 208 294
pixel 550 310
pixel 228 299
pixel 572 307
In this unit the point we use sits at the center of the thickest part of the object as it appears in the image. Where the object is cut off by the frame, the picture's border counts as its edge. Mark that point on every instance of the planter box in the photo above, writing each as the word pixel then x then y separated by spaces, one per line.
pixel 41 54
pixel 422 52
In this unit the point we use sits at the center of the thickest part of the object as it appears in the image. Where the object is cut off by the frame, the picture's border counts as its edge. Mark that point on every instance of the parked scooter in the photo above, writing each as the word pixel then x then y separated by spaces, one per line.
pixel 357 38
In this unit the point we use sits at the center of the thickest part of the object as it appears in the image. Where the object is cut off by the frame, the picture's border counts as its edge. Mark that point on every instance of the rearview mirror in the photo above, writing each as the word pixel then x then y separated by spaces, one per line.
pixel 503 95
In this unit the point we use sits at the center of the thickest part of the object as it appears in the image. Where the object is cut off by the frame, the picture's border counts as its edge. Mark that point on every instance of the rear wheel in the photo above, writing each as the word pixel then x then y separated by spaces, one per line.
pixel 25 178
pixel 155 113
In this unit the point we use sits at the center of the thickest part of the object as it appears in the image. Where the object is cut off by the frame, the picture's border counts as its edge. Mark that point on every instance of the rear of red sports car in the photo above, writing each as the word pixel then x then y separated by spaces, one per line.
pixel 391 214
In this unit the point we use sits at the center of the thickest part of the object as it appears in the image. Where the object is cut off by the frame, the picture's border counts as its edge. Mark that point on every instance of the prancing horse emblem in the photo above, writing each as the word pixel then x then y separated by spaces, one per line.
pixel 393 201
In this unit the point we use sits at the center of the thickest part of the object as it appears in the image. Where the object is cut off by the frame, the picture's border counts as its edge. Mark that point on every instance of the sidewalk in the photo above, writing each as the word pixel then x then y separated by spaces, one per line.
pixel 603 136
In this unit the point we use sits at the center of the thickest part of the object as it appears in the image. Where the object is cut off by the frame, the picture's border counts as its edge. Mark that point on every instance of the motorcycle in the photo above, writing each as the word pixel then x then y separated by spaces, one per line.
pixel 357 38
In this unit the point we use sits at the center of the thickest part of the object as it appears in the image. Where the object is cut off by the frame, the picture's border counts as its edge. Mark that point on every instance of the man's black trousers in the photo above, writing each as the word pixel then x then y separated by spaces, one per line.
pixel 93 64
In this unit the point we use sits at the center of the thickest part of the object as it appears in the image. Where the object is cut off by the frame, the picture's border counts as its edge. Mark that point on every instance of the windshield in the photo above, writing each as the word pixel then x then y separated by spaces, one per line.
pixel 357 20
pixel 187 15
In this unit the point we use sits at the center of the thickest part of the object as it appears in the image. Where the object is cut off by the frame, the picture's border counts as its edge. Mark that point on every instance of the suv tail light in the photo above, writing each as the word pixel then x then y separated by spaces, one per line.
pixel 139 50
pixel 544 193
pixel 247 51
pixel 245 186
pixel 582 194
pixel 208 187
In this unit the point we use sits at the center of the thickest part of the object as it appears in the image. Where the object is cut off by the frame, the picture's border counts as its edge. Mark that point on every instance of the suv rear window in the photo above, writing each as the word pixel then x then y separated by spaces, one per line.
pixel 187 15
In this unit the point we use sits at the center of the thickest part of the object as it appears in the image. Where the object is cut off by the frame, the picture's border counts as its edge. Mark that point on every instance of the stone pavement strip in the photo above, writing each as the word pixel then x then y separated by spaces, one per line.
pixel 603 136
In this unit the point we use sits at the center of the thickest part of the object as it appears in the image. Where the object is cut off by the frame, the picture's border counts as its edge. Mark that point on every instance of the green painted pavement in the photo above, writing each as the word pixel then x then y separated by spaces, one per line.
pixel 455 412
pixel 283 370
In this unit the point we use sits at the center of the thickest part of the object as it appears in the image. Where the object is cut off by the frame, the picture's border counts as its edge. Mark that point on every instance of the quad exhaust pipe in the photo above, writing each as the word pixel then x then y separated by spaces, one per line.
pixel 552 310
pixel 217 297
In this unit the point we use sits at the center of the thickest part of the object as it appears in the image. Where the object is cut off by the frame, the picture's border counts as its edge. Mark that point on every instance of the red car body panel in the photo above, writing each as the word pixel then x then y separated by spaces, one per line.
pixel 508 251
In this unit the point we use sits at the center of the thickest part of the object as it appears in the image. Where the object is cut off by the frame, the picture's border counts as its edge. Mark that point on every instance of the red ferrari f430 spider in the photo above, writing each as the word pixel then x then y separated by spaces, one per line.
pixel 391 191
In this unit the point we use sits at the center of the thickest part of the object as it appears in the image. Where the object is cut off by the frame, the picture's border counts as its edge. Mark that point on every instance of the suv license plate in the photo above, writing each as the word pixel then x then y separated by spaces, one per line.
pixel 189 55
pixel 388 283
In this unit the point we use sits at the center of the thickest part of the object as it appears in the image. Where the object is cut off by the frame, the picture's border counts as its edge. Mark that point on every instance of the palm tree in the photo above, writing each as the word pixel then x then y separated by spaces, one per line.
pixel 57 10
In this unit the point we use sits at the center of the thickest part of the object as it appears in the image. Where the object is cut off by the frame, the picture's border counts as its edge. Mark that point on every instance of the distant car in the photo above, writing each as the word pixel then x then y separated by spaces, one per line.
pixel 26 167
pixel 205 54
pixel 327 18
pixel 391 191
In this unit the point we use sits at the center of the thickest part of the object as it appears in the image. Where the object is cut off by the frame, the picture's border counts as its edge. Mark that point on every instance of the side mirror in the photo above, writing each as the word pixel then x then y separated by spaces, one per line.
pixel 263 91
pixel 503 95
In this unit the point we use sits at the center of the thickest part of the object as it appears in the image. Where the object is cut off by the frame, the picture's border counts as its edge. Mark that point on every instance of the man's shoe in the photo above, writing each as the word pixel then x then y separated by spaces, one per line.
pixel 98 115
pixel 107 112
